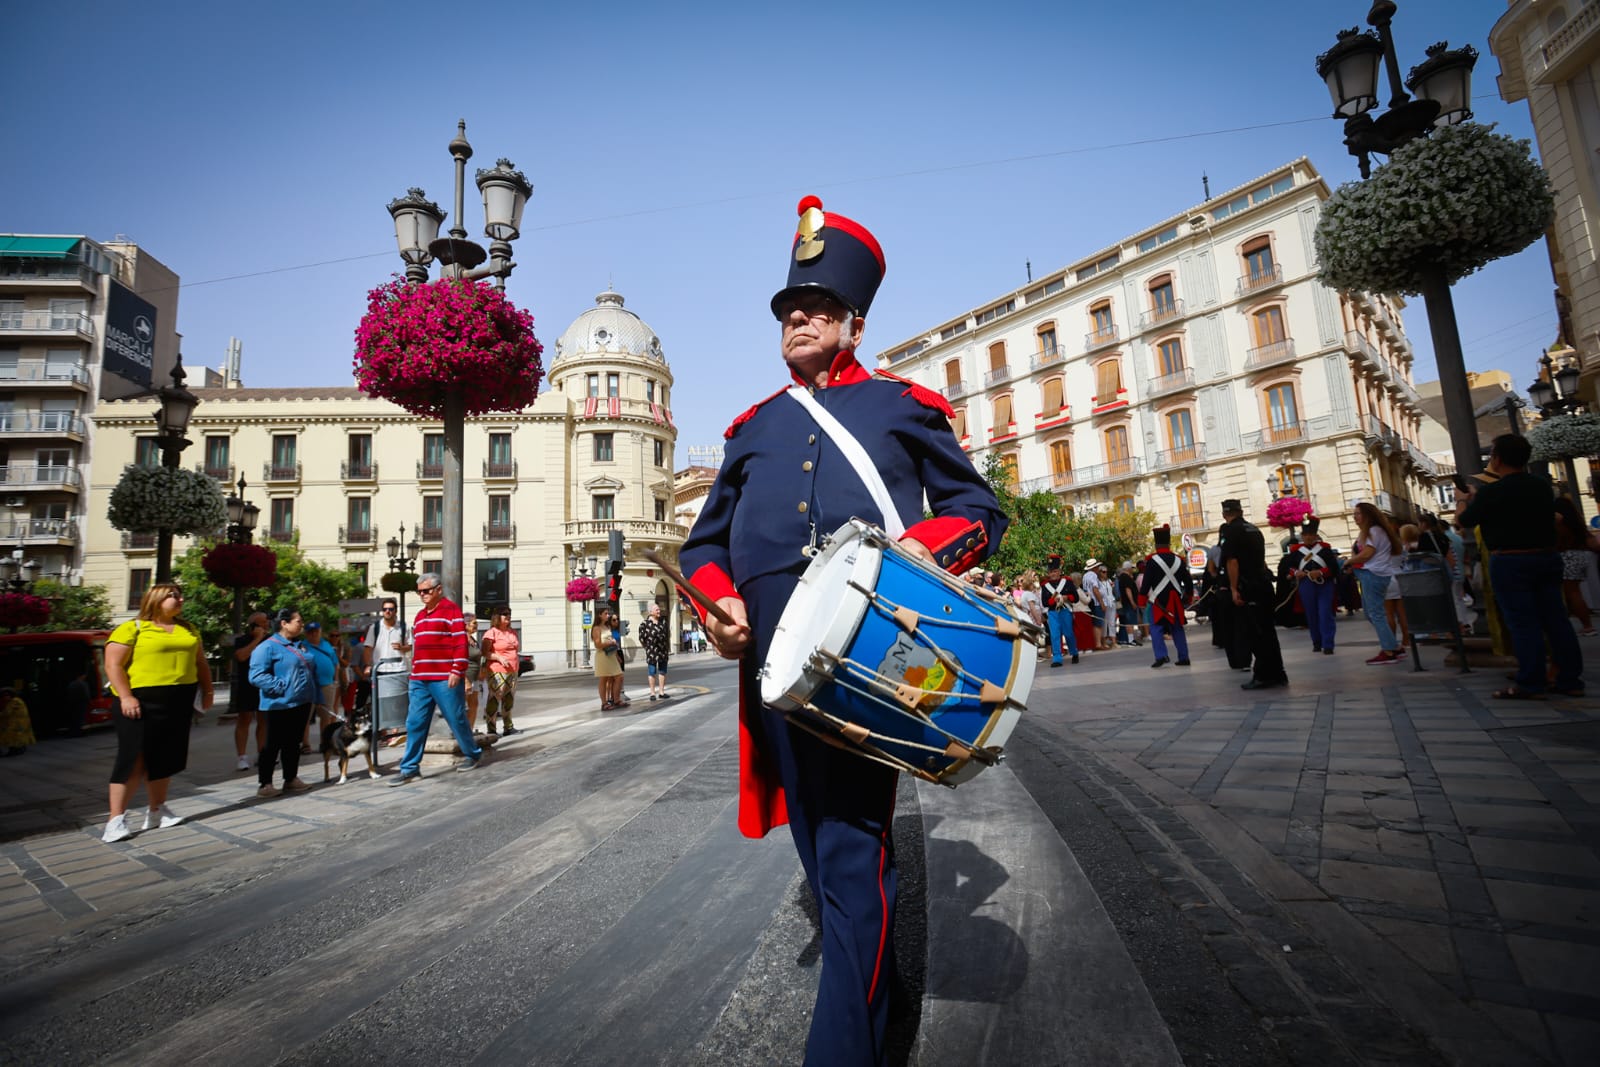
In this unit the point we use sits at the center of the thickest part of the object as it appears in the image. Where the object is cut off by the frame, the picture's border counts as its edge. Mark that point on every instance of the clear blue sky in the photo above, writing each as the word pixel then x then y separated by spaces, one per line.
pixel 253 148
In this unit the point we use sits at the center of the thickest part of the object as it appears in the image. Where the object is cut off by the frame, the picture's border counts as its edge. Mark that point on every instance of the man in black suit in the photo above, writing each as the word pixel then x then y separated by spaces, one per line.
pixel 1249 586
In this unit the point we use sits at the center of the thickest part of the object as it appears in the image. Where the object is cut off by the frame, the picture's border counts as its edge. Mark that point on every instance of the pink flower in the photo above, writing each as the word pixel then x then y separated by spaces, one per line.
pixel 581 589
pixel 1288 511
pixel 234 566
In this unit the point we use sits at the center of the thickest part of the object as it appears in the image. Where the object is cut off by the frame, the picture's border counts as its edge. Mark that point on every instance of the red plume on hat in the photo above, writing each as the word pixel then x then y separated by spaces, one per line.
pixel 834 254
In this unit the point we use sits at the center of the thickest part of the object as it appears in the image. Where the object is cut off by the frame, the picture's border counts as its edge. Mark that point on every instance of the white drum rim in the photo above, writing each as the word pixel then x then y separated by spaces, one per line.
pixel 806 602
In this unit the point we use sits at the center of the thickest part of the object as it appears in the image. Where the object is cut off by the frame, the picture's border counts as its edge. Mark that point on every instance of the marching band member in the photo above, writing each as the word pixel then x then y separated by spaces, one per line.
pixel 1314 565
pixel 785 483
pixel 1167 585
pixel 1058 595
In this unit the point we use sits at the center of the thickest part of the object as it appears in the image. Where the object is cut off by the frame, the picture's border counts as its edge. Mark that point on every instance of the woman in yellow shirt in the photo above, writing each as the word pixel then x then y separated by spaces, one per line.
pixel 155 662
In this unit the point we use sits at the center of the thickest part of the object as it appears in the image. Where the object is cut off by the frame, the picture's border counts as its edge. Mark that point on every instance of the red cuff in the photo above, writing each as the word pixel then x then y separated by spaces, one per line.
pixel 956 543
pixel 714 582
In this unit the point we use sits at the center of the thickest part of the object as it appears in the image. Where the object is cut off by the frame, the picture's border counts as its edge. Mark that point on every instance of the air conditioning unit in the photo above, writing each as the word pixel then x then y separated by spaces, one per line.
pixel 16 501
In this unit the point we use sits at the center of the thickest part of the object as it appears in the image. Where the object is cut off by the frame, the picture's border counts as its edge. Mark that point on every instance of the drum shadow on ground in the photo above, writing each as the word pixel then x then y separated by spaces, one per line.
pixel 961 882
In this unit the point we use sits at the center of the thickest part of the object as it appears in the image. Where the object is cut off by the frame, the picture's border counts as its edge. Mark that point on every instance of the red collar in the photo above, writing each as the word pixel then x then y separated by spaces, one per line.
pixel 844 371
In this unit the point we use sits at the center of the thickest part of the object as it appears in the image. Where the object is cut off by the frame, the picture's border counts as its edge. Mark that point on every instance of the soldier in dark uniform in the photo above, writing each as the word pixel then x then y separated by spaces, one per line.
pixel 784 485
pixel 1057 594
pixel 1249 585
pixel 1313 565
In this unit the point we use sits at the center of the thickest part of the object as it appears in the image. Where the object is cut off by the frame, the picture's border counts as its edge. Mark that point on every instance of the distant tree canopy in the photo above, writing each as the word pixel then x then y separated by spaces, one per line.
pixel 1040 526
pixel 311 588
pixel 73 607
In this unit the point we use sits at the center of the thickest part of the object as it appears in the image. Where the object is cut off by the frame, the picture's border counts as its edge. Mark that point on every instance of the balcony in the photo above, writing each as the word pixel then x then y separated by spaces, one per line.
pixel 1357 344
pixel 431 472
pixel 1291 433
pixel 499 471
pixel 954 390
pixel 281 536
pixel 1565 51
pixel 1001 432
pixel 1161 315
pixel 1424 463
pixel 1110 335
pixel 138 542
pixel 1380 435
pixel 48 323
pixel 1270 355
pixel 499 532
pixel 1405 390
pixel 1176 382
pixel 40 532
pixel 642 529
pixel 1180 457
pixel 996 376
pixel 1046 419
pixel 41 424
pixel 280 472
pixel 31 272
pixel 1102 472
pixel 430 535
pixel 358 537
pixel 52 376
pixel 222 473
pixel 1260 281
pixel 40 476
pixel 1048 357
pixel 358 472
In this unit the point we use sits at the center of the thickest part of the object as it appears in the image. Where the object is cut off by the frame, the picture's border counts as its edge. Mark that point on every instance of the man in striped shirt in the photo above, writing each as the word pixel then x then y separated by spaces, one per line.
pixel 438 672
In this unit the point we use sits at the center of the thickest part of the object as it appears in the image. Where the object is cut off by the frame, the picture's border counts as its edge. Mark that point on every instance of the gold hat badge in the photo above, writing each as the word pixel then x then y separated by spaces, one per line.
pixel 810 230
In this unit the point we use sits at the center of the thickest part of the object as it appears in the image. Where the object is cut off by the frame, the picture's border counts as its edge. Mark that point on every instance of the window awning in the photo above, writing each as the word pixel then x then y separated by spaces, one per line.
pixel 37 247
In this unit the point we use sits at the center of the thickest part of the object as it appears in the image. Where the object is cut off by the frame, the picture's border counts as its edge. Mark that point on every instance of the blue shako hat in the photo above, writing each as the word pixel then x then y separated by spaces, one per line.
pixel 835 255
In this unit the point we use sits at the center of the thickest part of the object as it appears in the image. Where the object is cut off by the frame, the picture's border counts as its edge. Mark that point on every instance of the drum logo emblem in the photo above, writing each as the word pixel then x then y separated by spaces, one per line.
pixel 906 662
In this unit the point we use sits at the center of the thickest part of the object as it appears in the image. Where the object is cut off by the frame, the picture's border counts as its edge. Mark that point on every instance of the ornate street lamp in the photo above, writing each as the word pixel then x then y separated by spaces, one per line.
pixel 1555 393
pixel 403 559
pixel 505 191
pixel 17 573
pixel 242 518
pixel 172 420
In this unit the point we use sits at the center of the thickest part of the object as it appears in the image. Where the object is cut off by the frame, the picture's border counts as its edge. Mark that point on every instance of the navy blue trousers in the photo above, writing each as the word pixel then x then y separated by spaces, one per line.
pixel 841 809
pixel 1317 598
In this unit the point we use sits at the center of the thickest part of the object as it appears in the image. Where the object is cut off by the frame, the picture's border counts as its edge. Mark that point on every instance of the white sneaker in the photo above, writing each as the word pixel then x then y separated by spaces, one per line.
pixel 167 817
pixel 116 829
pixel 243 764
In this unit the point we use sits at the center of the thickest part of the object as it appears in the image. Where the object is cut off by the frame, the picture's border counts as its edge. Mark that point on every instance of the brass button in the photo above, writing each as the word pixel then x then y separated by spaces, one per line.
pixel 806 465
pixel 972 542
pixel 811 440
pixel 802 505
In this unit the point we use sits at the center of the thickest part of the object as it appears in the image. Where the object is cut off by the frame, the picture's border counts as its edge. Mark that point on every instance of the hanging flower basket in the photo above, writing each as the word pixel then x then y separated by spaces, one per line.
pixel 23 609
pixel 147 499
pixel 1456 200
pixel 418 342
pixel 1566 437
pixel 234 566
pixel 581 590
pixel 398 582
pixel 1287 512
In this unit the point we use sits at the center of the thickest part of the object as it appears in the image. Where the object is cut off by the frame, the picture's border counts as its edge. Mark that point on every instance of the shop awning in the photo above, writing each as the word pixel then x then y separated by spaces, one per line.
pixel 37 247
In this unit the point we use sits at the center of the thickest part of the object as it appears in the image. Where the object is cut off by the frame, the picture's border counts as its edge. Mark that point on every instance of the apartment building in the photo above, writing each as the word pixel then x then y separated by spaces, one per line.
pixel 81 321
pixel 340 473
pixel 1198 359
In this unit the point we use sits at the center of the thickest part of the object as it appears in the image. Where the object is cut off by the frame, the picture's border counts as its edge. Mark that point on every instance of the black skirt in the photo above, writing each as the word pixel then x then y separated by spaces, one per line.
pixel 160 734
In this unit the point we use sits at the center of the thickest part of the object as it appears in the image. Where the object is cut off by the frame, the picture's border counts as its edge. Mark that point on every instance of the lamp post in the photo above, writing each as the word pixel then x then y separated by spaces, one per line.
pixel 242 518
pixel 172 418
pixel 1443 84
pixel 417 220
pixel 1555 393
pixel 403 559
pixel 18 573
pixel 584 567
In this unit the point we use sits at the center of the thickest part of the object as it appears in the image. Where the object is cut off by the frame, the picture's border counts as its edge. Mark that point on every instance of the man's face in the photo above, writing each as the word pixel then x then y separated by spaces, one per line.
pixel 811 332
pixel 388 612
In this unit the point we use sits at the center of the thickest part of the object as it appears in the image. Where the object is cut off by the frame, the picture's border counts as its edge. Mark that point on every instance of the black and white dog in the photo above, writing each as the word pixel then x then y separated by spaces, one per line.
pixel 343 738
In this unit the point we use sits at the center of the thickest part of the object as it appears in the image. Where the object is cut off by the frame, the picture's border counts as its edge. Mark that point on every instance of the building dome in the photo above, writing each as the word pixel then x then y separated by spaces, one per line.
pixel 608 327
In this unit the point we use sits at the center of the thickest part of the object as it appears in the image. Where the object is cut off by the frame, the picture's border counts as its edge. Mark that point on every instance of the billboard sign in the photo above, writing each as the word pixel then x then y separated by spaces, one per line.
pixel 130 346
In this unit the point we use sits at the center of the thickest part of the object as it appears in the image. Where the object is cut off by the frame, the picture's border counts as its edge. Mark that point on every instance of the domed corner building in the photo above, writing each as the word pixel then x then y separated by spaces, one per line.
pixel 339 474
pixel 609 374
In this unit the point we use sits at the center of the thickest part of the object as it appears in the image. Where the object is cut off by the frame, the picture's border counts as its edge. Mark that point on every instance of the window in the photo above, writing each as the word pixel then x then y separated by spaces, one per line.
pixel 358 455
pixel 1180 434
pixel 1268 326
pixel 1105 264
pixel 603 448
pixel 997 357
pixel 1008 464
pixel 1191 516
pixel 1003 421
pixel 281 527
pixel 990 314
pixel 359 513
pixel 432 518
pixel 1283 415
pixel 661 510
pixel 650 390
pixel 216 461
pixel 593 382
pixel 501 465
pixel 433 455
pixel 1047 339
pixel 146 452
pixel 1061 462
pixel 1108 381
pixel 283 454
pixel 1163 304
pixel 1257 195
pixel 660 452
pixel 1294 481
pixel 605 506
pixel 65 314
pixel 1258 260
pixel 138 584
pixel 53 464
pixel 958 424
pixel 431 566
pixel 1054 401
pixel 1123 503
pixel 500 510
pixel 1150 244
pixel 952 372
pixel 1169 356
pixel 360 571
pixel 10 314
pixel 1100 321
pixel 8 356
pixel 951 331
pixel 491 584
pixel 613 384
pixel 1118 455
pixel 63 365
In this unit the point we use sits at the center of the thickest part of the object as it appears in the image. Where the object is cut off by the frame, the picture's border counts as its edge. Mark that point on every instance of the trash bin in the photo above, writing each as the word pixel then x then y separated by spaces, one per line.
pixel 390 695
pixel 1429 598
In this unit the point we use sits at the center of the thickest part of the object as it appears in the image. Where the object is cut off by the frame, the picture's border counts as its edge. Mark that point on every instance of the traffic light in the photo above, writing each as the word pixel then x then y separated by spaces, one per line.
pixel 614 582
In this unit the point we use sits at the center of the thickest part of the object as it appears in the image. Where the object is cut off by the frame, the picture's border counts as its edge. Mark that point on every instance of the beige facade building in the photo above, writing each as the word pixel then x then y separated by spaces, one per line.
pixel 340 473
pixel 80 321
pixel 1197 360
pixel 1549 53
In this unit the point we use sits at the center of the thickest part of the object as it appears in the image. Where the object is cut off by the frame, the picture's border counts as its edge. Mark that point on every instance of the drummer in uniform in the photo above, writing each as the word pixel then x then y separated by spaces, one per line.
pixel 785 484
pixel 1168 586
pixel 1314 566
pixel 1059 594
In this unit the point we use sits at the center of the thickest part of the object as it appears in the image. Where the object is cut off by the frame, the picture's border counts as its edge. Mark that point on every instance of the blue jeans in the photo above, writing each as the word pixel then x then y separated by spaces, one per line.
pixel 1527 589
pixel 1158 635
pixel 1318 602
pixel 1060 622
pixel 452 702
pixel 1373 586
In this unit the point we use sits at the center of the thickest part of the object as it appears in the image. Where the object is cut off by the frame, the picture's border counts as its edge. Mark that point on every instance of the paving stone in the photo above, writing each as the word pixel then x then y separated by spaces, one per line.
pixel 1428 945
pixel 1254 799
pixel 1575 1040
pixel 1366 765
pixel 1541 856
pixel 1349 838
pixel 1413 889
pixel 1474 817
pixel 1465 789
pixel 1266 991
pixel 1552 905
pixel 1524 1025
pixel 1556 965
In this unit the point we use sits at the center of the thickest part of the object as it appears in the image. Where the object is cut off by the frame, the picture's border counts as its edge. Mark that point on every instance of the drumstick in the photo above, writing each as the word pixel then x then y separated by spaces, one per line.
pixel 689 587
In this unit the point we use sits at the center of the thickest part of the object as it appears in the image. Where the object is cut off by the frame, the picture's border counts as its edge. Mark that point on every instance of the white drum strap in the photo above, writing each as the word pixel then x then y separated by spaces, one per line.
pixel 1309 560
pixel 857 455
pixel 1169 575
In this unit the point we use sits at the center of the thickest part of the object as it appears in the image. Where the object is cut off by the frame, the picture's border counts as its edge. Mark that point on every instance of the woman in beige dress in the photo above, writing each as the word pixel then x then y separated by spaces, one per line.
pixel 607 662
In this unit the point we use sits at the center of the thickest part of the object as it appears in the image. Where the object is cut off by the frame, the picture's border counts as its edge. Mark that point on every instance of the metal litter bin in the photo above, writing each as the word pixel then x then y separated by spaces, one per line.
pixel 1429 598
pixel 391 698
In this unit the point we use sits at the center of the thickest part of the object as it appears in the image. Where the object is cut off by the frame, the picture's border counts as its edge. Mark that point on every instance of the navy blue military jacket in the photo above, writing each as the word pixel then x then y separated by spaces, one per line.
pixel 785 485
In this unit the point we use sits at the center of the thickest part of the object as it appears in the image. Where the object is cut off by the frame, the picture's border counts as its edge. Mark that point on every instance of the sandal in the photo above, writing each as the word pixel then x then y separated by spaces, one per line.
pixel 1513 693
